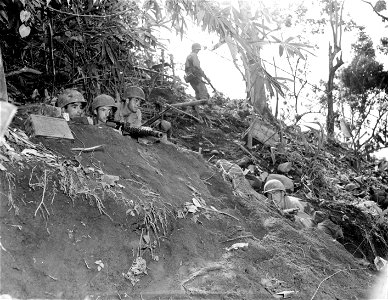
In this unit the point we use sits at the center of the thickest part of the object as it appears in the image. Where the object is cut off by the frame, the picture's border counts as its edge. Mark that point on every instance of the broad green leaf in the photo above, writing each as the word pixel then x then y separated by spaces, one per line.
pixel 281 49
pixel 110 53
pixel 232 47
pixel 24 30
pixel 276 39
pixel 4 16
pixel 289 39
pixel 25 16
pixel 200 16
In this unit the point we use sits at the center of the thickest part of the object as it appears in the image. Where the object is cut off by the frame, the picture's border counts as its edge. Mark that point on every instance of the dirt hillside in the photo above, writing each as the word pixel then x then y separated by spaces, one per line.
pixel 154 221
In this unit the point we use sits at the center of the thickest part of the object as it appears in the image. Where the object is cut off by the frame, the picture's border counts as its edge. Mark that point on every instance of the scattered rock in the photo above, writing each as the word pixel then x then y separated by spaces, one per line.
pixel 370 207
pixel 285 167
pixel 351 186
pixel 343 178
pixel 214 152
pixel 359 179
pixel 244 162
pixel 287 182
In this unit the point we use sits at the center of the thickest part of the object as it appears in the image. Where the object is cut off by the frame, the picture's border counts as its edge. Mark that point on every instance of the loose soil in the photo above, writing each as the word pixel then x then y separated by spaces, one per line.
pixel 55 254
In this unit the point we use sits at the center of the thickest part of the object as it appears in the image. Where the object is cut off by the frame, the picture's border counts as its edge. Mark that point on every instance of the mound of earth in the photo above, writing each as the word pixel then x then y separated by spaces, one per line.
pixel 152 221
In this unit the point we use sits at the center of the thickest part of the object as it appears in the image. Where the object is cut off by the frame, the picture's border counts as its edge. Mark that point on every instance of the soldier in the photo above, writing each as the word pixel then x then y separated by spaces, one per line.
pixel 194 73
pixel 292 208
pixel 129 110
pixel 103 108
pixel 274 190
pixel 72 102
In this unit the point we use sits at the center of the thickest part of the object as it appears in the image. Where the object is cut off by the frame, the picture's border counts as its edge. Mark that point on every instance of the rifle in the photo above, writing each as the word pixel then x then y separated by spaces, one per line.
pixel 135 132
pixel 209 83
pixel 174 106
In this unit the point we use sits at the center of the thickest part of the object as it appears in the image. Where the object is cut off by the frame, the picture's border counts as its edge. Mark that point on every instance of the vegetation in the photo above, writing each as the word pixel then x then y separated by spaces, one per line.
pixel 98 46
pixel 364 98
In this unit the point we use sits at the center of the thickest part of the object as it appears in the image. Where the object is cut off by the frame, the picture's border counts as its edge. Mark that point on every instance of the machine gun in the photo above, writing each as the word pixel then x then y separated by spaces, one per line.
pixel 135 132
pixel 175 106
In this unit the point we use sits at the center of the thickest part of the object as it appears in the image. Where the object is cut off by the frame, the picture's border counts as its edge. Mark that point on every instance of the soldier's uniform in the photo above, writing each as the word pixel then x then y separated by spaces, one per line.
pixel 194 73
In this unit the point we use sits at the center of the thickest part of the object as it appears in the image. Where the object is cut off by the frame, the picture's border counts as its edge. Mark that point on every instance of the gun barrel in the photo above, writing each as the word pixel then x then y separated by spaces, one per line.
pixel 141 132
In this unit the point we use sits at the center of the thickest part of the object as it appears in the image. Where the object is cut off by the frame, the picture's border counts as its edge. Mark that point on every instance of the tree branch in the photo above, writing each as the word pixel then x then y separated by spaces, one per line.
pixel 380 15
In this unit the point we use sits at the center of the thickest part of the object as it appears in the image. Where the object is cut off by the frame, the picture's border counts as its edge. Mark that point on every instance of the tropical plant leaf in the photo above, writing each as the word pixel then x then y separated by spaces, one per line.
pixel 24 30
pixel 4 16
pixel 25 16
pixel 281 50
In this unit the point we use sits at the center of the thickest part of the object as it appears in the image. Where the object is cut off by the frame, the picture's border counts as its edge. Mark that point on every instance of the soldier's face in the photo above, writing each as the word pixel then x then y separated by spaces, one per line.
pixel 276 196
pixel 134 104
pixel 103 113
pixel 75 110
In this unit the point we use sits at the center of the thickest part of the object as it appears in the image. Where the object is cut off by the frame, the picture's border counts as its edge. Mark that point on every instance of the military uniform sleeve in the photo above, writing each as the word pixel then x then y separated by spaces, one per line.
pixel 195 61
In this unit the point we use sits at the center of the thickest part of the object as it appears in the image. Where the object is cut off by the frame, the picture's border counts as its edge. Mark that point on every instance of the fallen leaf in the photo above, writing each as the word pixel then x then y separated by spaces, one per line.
pixel 237 246
pixel 195 218
pixel 180 214
pixel 110 179
pixel 31 152
pixel 100 265
pixel 2 168
pixel 4 158
pixel 146 238
pixel 286 294
pixel 192 209
pixel 196 202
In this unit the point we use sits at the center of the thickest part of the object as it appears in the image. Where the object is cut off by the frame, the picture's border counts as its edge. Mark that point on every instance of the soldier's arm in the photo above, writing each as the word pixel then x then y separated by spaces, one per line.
pixel 197 66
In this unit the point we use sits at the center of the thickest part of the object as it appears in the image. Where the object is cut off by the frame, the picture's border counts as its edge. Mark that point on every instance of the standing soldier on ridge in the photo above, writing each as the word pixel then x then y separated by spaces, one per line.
pixel 194 73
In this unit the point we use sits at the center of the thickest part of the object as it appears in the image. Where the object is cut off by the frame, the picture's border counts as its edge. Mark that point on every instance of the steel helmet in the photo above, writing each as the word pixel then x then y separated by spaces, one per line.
pixel 134 92
pixel 273 185
pixel 103 100
pixel 196 46
pixel 70 96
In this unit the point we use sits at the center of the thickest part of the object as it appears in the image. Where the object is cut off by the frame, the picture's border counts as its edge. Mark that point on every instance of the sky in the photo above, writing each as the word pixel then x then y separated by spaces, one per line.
pixel 219 67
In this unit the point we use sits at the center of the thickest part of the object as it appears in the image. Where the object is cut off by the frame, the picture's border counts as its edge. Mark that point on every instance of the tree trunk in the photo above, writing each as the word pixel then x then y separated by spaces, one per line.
pixel 255 84
pixel 335 13
pixel 330 103
pixel 3 84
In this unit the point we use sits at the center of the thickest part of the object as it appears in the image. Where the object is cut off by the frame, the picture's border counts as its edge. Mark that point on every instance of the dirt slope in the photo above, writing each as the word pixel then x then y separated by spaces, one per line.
pixel 89 217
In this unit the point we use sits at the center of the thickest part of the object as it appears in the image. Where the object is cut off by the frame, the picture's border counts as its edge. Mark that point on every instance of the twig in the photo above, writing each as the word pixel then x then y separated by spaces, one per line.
pixel 91 16
pixel 241 237
pixel 88 149
pixel 328 277
pixel 183 112
pixel 208 141
pixel 221 212
pixel 202 272
pixel 2 247
pixel 53 278
pixel 206 179
pixel 249 153
pixel 86 264
pixel 119 296
pixel 44 192
pixel 23 70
